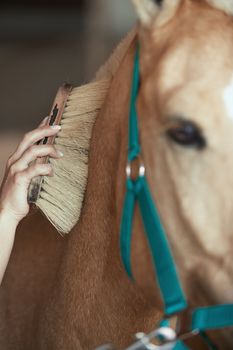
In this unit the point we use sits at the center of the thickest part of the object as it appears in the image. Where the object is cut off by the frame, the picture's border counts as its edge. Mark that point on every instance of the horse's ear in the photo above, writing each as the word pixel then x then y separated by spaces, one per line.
pixel 158 11
pixel 147 9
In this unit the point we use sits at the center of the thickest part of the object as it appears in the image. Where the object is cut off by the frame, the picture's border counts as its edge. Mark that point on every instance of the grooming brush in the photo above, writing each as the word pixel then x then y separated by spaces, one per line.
pixel 60 197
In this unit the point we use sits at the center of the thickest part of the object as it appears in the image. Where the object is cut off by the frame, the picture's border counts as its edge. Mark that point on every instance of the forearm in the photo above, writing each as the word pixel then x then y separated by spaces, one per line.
pixel 8 227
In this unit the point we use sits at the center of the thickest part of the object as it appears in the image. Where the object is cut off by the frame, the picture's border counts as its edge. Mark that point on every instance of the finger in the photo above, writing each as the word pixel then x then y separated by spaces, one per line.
pixel 32 137
pixel 44 122
pixel 32 154
pixel 25 177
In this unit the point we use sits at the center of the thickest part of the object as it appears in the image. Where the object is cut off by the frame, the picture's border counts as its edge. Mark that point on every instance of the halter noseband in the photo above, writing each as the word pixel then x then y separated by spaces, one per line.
pixel 137 190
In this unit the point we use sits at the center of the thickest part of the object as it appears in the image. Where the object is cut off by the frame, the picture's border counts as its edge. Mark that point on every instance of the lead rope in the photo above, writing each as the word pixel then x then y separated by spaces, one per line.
pixel 137 190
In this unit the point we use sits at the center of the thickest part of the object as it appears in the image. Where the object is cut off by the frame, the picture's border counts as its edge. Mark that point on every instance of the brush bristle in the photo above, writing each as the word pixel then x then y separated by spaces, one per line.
pixel 62 195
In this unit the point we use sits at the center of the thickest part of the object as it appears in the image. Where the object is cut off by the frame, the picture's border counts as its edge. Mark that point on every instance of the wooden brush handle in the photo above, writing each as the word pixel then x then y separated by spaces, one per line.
pixel 54 119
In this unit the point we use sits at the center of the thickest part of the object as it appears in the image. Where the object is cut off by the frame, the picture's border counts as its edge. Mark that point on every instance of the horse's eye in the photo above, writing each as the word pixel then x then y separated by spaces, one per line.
pixel 187 134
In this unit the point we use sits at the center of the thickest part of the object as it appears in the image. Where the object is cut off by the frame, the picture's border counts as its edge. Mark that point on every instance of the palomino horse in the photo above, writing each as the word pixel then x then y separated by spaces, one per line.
pixel 73 293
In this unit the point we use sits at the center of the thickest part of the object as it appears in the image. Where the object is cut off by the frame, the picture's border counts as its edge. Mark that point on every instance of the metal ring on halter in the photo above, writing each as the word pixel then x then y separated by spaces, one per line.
pixel 141 169
pixel 166 333
pixel 144 341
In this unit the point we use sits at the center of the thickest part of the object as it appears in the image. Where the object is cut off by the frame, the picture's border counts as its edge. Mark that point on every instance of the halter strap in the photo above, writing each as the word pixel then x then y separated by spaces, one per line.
pixel 137 190
pixel 212 317
pixel 134 144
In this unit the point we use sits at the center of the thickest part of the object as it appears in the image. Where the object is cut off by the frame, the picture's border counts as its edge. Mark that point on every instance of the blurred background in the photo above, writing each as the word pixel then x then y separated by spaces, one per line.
pixel 44 43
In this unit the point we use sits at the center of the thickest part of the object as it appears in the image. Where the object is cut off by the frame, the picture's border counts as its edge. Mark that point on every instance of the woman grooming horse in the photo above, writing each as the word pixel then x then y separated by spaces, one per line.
pixel 74 293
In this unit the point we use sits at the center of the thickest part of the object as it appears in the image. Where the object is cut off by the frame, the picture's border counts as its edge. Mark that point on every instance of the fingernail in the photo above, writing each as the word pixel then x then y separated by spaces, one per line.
pixel 51 172
pixel 56 127
pixel 60 154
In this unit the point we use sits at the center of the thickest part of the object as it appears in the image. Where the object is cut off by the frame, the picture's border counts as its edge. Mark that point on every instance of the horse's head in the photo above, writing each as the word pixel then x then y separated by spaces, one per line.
pixel 185 107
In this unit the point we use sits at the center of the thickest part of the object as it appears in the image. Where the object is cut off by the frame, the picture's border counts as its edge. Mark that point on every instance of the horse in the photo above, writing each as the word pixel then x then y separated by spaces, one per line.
pixel 73 293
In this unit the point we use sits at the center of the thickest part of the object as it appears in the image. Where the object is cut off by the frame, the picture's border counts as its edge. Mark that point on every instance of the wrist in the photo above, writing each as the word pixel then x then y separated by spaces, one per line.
pixel 8 218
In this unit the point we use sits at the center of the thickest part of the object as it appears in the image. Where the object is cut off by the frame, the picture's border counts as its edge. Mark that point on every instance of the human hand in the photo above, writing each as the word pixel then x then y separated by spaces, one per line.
pixel 19 172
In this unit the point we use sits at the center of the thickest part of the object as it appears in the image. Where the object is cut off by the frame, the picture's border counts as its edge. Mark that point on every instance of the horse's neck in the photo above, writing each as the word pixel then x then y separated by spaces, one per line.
pixel 108 151
pixel 109 144
pixel 96 276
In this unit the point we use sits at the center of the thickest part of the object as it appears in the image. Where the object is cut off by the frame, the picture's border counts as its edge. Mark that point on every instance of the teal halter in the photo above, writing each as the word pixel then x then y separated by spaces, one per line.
pixel 204 318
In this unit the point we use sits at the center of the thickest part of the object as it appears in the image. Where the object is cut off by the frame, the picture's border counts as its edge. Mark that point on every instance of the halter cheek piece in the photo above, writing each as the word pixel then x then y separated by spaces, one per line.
pixel 137 190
